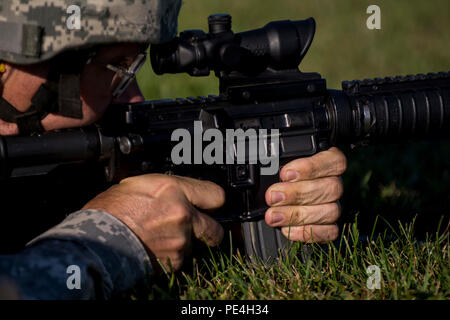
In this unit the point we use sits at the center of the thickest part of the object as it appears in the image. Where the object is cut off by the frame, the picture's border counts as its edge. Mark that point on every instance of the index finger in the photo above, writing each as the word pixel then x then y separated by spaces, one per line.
pixel 201 193
pixel 331 162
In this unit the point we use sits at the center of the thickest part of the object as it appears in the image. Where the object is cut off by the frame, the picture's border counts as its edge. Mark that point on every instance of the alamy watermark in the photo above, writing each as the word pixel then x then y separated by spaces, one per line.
pixel 73 22
pixel 241 147
pixel 74 280
pixel 374 280
pixel 374 20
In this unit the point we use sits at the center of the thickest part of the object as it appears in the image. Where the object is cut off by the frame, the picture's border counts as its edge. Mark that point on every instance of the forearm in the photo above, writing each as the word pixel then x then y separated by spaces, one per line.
pixel 110 258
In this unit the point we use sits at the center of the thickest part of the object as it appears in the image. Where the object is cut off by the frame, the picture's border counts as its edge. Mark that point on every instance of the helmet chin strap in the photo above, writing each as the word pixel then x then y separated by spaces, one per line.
pixel 59 94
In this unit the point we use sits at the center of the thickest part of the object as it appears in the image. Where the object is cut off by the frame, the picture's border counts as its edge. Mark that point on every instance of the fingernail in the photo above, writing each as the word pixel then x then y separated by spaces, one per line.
pixel 291 175
pixel 276 217
pixel 276 197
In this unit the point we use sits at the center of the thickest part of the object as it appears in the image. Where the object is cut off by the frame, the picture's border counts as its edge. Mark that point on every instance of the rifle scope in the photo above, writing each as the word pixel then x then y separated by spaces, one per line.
pixel 278 45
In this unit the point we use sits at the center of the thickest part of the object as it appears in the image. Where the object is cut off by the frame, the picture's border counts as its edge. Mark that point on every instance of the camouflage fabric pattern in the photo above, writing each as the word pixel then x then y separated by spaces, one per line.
pixel 111 259
pixel 102 22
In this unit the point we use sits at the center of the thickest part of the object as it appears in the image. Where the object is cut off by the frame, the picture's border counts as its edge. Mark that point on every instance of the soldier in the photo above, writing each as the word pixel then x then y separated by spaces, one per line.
pixel 58 76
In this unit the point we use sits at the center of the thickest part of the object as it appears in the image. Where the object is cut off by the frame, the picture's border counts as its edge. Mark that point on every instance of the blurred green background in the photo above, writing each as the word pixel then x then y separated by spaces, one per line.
pixel 414 38
pixel 395 181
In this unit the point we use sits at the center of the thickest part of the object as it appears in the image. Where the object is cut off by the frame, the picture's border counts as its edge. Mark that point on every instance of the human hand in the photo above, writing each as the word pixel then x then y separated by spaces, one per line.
pixel 305 204
pixel 162 212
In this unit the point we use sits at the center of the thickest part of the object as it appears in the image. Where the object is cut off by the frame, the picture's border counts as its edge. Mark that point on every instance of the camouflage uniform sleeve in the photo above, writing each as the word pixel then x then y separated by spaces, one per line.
pixel 90 255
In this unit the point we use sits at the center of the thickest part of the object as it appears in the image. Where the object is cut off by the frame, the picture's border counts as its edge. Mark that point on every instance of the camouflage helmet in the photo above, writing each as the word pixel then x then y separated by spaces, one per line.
pixel 36 30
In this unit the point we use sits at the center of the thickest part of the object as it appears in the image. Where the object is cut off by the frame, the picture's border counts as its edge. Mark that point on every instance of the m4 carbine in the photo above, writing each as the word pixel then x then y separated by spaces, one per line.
pixel 261 87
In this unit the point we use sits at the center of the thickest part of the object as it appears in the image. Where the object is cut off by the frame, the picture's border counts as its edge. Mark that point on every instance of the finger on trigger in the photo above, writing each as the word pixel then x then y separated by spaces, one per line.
pixel 202 194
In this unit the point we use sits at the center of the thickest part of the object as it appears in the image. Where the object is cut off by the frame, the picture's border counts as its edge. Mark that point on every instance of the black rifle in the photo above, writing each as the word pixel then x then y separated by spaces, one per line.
pixel 261 87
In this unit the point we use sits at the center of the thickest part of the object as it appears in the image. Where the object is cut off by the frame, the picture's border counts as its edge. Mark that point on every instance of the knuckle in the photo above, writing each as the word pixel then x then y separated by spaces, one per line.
pixel 307 234
pixel 333 233
pixel 126 180
pixel 170 185
pixel 336 187
pixel 297 216
pixel 276 186
pixel 306 167
pixel 335 211
pixel 177 246
pixel 180 214
pixel 341 164
pixel 290 233
pixel 300 194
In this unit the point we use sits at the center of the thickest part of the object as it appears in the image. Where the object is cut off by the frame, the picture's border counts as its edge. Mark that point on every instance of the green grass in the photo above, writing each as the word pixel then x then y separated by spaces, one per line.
pixel 395 182
pixel 409 269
